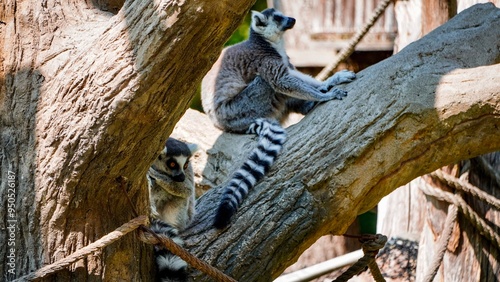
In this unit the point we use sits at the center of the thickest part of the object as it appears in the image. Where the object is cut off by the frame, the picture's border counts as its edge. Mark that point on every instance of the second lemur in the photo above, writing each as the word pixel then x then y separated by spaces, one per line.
pixel 252 88
pixel 172 198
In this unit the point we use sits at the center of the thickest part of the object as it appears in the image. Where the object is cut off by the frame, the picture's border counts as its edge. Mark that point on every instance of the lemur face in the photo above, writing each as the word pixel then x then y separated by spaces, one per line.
pixel 174 159
pixel 174 166
pixel 271 24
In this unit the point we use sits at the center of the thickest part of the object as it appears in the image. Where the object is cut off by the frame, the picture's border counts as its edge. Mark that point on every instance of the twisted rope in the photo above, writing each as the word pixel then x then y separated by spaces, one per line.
pixel 480 224
pixel 87 250
pixel 152 238
pixel 145 234
pixel 466 187
pixel 451 218
pixel 149 236
pixel 371 245
pixel 375 271
pixel 457 202
pixel 347 51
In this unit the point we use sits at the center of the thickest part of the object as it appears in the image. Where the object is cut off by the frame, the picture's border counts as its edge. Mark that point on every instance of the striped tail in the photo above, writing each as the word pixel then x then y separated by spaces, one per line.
pixel 171 268
pixel 271 139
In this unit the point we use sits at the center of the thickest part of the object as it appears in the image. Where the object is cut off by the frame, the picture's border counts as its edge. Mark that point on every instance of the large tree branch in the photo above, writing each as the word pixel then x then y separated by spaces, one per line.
pixel 145 66
pixel 87 97
pixel 434 103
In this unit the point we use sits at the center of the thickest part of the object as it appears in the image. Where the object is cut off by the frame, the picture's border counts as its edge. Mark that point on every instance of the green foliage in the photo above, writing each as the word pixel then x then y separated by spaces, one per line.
pixel 368 222
pixel 243 30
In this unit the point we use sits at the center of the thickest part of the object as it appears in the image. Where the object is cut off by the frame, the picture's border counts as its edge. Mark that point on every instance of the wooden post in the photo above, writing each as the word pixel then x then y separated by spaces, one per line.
pixel 436 13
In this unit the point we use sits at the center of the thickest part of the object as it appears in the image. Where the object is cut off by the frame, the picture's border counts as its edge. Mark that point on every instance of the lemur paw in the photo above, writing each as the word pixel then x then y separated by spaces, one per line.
pixel 343 76
pixel 337 93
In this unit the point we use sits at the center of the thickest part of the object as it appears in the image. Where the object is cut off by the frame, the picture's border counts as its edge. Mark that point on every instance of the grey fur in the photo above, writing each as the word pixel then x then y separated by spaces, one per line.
pixel 172 197
pixel 253 86
pixel 171 191
pixel 254 79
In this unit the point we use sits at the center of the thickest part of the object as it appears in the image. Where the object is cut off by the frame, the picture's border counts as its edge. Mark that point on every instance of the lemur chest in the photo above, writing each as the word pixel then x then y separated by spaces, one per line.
pixel 172 211
pixel 280 49
pixel 176 216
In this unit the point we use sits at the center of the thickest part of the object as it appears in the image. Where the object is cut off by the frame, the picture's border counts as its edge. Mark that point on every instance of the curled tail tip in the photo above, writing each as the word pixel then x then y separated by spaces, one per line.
pixel 180 275
pixel 221 223
pixel 171 268
pixel 223 215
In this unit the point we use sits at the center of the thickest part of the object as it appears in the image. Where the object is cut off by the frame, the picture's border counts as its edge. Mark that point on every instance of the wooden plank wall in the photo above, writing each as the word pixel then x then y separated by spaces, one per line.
pixel 325 26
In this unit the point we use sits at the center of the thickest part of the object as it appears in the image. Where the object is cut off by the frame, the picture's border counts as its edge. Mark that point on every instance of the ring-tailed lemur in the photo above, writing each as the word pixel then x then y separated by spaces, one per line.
pixel 172 197
pixel 251 89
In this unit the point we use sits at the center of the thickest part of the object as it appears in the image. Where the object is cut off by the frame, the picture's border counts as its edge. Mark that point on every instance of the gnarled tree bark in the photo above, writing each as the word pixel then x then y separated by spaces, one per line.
pixel 87 96
pixel 434 103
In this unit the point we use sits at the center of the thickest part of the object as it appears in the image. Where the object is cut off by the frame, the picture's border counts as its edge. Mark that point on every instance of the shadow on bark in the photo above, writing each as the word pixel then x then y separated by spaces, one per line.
pixel 398 124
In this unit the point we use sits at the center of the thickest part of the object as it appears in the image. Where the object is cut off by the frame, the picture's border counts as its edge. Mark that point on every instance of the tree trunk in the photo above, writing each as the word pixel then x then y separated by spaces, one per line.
pixel 88 96
pixel 406 116
pixel 408 214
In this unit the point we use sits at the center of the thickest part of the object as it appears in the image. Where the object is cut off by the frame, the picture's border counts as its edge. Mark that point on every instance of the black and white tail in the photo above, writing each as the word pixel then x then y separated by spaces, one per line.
pixel 171 268
pixel 271 139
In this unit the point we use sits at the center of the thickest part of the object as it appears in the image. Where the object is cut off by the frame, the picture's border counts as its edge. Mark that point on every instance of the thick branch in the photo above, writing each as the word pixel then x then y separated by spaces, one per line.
pixel 86 97
pixel 434 103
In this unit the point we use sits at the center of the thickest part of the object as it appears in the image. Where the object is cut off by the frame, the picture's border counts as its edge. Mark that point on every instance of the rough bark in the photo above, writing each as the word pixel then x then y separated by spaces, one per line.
pixel 88 96
pixel 434 103
pixel 408 213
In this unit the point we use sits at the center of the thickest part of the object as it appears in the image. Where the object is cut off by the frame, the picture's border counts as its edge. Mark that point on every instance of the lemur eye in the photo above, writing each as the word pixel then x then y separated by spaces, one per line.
pixel 186 165
pixel 171 164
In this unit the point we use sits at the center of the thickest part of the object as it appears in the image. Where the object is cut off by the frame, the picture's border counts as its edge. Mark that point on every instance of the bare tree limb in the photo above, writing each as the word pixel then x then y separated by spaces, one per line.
pixel 434 103
pixel 88 96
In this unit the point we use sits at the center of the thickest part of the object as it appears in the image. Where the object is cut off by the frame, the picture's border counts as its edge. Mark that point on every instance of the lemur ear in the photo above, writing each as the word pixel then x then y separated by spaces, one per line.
pixel 258 19
pixel 192 147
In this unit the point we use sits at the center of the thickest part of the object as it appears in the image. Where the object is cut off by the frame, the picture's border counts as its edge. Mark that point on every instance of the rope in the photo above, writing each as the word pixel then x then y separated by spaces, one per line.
pixel 480 224
pixel 456 203
pixel 347 51
pixel 149 236
pixel 153 238
pixel 451 218
pixel 371 245
pixel 87 250
pixel 466 187
pixel 375 271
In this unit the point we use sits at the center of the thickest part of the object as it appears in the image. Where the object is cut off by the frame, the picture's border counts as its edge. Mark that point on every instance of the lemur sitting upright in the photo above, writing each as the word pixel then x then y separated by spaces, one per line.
pixel 172 197
pixel 251 89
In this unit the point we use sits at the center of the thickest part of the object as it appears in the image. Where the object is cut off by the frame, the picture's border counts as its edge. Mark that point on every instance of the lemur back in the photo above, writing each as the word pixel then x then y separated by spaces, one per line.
pixel 253 86
pixel 172 197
